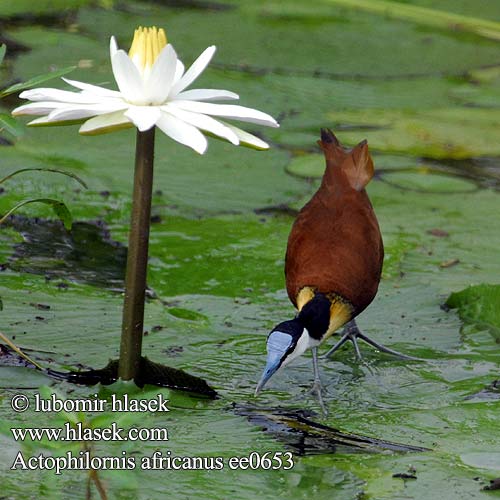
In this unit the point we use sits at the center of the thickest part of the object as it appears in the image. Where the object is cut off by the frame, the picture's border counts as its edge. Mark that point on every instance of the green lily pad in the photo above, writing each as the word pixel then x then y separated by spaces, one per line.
pixel 40 7
pixel 181 313
pixel 312 166
pixel 434 133
pixel 426 181
pixel 486 75
pixel 308 166
pixel 478 304
pixel 369 38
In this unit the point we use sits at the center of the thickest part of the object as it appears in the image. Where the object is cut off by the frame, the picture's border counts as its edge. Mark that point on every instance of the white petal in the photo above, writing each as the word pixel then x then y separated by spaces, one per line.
pixel 228 111
pixel 105 123
pixel 247 139
pixel 182 132
pixel 45 121
pixel 127 77
pixel 179 71
pixel 94 89
pixel 205 123
pixel 143 117
pixel 206 95
pixel 161 77
pixel 78 112
pixel 39 121
pixel 194 71
pixel 37 108
pixel 43 94
pixel 113 47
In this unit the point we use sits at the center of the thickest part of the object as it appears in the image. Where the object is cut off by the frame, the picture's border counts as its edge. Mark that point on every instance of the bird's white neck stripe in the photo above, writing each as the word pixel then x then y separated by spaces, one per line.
pixel 305 342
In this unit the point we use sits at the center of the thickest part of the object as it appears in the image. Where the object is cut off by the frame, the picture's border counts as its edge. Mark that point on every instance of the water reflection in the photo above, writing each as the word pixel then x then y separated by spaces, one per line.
pixel 306 437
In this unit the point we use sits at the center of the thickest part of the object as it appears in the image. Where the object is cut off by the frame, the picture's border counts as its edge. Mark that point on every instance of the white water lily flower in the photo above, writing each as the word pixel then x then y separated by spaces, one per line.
pixel 152 92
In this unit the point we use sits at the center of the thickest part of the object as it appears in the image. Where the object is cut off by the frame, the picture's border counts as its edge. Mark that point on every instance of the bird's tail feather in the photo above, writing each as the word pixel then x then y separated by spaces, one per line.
pixel 356 164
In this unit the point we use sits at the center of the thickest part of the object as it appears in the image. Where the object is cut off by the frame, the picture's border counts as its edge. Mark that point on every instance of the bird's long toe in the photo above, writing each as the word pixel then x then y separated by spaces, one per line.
pixel 352 333
pixel 387 350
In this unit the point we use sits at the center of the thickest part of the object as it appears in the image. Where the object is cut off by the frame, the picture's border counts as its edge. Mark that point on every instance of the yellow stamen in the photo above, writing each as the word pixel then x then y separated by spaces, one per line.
pixel 146 47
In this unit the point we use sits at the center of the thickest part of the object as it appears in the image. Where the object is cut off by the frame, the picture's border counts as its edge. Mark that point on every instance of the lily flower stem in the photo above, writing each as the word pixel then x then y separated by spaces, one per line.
pixel 137 258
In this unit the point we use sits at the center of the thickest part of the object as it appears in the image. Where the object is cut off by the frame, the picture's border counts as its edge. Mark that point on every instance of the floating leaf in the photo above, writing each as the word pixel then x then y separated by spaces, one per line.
pixel 308 166
pixel 455 132
pixel 182 313
pixel 478 304
pixel 353 44
pixel 59 208
pixel 427 16
pixel 486 75
pixel 28 8
pixel 424 180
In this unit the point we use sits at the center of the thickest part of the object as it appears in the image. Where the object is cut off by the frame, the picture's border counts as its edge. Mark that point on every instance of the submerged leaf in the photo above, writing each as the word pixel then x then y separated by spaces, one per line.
pixel 11 125
pixel 36 80
pixel 60 209
pixel 54 170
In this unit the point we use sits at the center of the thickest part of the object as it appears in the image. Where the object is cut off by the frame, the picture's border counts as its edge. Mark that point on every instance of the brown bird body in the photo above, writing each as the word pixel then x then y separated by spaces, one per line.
pixel 333 263
pixel 335 246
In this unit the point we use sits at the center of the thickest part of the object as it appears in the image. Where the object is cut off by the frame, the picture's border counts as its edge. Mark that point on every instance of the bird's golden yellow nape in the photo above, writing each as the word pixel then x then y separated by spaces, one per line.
pixel 146 47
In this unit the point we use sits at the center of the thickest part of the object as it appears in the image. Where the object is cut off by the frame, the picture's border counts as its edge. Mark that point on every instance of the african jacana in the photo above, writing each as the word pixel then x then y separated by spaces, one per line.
pixel 333 261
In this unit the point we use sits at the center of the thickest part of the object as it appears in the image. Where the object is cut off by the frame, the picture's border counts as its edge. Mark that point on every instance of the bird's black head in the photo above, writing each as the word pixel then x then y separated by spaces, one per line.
pixel 290 339
pixel 285 342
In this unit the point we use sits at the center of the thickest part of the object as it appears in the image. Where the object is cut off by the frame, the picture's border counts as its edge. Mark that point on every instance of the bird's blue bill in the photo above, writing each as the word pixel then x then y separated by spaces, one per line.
pixel 278 344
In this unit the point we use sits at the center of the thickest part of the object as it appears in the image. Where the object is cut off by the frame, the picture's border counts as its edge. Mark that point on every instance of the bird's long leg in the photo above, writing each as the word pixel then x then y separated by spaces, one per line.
pixel 351 332
pixel 354 341
pixel 317 381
